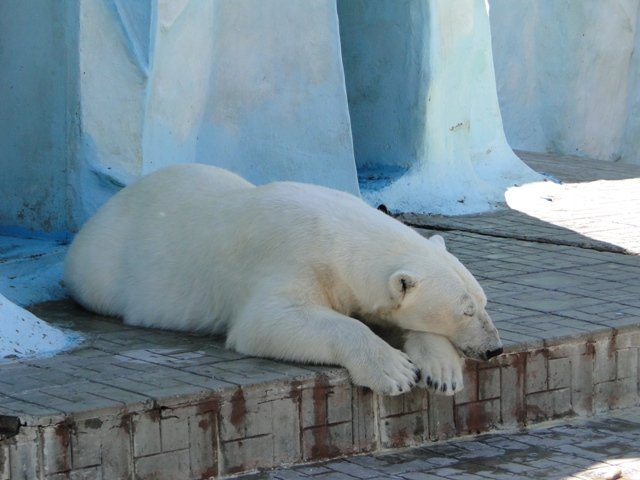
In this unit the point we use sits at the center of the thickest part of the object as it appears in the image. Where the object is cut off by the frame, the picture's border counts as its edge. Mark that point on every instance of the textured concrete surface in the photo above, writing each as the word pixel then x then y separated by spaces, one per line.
pixel 595 207
pixel 602 447
pixel 150 404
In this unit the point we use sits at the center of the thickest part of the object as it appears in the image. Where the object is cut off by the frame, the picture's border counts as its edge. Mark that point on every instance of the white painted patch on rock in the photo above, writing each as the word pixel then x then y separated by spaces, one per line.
pixel 22 334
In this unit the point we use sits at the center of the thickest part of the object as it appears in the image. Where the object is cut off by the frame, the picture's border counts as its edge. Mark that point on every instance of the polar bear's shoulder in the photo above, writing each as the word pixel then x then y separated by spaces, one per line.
pixel 195 175
pixel 334 212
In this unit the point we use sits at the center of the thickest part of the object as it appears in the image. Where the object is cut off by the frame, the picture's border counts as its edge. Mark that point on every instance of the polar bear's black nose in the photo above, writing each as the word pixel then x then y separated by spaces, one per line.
pixel 493 353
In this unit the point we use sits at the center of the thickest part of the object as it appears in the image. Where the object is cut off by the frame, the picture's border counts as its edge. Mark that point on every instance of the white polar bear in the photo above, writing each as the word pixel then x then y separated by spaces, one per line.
pixel 287 271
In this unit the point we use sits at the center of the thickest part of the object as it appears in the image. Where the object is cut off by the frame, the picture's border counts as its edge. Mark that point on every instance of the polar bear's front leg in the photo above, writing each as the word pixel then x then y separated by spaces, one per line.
pixel 323 336
pixel 438 360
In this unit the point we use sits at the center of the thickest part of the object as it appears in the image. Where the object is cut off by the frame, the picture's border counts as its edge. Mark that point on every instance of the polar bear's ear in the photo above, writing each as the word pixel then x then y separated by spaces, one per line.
pixel 401 282
pixel 469 305
pixel 437 239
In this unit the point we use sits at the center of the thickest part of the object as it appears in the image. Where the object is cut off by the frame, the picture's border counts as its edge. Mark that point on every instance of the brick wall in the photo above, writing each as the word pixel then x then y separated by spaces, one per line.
pixel 280 422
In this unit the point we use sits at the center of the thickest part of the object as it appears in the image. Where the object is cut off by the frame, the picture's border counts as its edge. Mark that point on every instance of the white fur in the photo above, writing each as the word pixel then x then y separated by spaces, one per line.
pixel 286 270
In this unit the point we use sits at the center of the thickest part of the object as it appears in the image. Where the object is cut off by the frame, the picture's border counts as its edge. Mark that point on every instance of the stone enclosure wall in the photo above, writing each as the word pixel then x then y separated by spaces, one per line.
pixel 269 424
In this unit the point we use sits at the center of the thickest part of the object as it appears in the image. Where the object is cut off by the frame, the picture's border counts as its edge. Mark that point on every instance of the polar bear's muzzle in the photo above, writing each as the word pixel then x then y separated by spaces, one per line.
pixel 489 354
pixel 482 356
pixel 478 338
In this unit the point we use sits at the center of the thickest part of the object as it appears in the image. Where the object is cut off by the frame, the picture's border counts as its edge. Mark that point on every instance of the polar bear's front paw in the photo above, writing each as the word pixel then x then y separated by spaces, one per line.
pixel 440 377
pixel 438 361
pixel 384 370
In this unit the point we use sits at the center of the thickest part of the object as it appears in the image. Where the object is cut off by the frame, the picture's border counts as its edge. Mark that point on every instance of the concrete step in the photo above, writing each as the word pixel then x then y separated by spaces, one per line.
pixel 599 447
pixel 146 404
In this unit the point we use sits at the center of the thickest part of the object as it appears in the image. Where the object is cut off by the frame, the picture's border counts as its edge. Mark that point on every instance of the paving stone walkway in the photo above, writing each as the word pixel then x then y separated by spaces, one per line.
pixel 596 206
pixel 598 448
pixel 539 294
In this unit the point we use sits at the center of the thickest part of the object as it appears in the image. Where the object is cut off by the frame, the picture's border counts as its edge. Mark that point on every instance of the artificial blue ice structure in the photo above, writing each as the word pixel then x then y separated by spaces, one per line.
pixel 427 128
pixel 100 92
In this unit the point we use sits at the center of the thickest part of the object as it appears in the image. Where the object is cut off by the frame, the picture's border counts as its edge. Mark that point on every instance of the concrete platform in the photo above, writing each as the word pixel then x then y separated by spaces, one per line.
pixel 132 403
pixel 578 448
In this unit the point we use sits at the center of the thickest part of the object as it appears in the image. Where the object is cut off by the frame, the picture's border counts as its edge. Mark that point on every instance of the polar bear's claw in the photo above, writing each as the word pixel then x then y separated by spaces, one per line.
pixel 385 370
pixel 439 361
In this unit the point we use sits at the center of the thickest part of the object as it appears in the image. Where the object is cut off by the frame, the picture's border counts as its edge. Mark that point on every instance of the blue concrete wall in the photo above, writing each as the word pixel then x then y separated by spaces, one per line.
pixel 386 76
pixel 33 113
pixel 97 93
pixel 277 107
pixel 569 76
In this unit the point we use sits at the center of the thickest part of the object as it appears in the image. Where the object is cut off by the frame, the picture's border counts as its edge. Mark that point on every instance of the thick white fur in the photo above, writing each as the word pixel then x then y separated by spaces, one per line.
pixel 285 270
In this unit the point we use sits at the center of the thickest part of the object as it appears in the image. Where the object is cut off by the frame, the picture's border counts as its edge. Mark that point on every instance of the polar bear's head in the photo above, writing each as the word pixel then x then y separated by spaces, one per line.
pixel 439 295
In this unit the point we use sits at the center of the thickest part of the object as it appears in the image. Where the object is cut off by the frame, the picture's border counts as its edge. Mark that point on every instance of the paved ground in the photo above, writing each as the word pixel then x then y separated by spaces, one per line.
pixel 596 206
pixel 538 293
pixel 604 448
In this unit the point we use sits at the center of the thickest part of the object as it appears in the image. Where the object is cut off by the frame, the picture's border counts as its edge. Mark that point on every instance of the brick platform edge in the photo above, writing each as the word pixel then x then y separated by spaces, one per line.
pixel 319 416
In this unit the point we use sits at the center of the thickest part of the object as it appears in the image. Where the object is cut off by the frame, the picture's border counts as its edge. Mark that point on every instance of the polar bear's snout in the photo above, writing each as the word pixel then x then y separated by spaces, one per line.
pixel 483 355
pixel 480 339
pixel 489 354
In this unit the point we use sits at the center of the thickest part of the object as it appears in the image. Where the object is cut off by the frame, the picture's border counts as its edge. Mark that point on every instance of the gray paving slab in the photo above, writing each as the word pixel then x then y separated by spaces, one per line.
pixel 118 364
pixel 595 207
pixel 601 447
pixel 538 294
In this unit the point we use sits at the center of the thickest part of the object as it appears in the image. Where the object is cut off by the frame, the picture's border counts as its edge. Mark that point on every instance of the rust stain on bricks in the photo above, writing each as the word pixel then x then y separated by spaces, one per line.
pixel 206 414
pixel 204 423
pixel 322 447
pixel 209 404
pixel 62 432
pixel 399 439
pixel 519 363
pixel 238 408
pixel 471 368
pixel 209 473
pixel 295 392
pixel 477 419
pixel 320 393
pixel 154 414
pixel 613 344
pixel 207 411
pixel 125 422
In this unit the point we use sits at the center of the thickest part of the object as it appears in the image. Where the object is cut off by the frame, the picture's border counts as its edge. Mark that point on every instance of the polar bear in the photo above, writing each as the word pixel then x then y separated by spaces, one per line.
pixel 286 270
